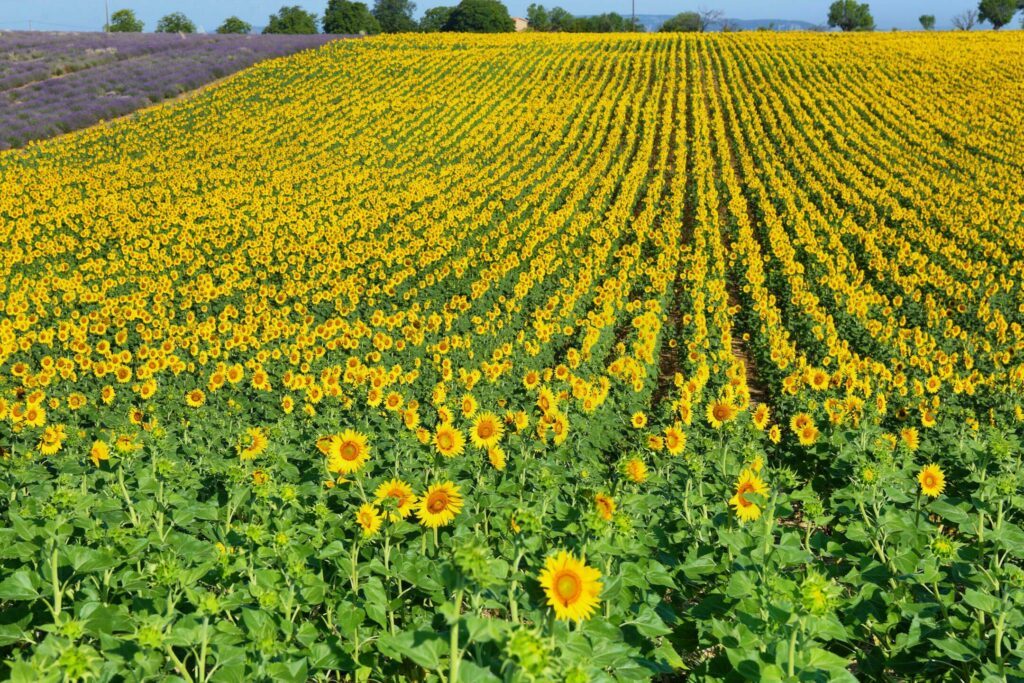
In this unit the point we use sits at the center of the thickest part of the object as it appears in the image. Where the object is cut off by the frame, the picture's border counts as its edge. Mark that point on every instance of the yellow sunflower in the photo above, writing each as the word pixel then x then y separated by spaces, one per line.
pixel 636 470
pixel 369 519
pixel 719 412
pixel 573 589
pixel 195 398
pixel 99 452
pixel 487 430
pixel 932 480
pixel 761 416
pixel 675 440
pixel 745 509
pixel 639 420
pixel 448 440
pixel 439 505
pixel 496 454
pixel 347 452
pixel 605 506
pixel 401 493
pixel 253 444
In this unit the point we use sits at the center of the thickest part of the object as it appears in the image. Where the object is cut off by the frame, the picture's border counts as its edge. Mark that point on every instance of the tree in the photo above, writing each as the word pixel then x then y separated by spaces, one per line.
pixel 175 22
pixel 927 21
pixel 292 20
pixel 343 16
pixel 850 15
pixel 435 19
pixel 234 25
pixel 395 16
pixel 966 20
pixel 561 20
pixel 480 16
pixel 684 22
pixel 538 17
pixel 124 21
pixel 997 12
pixel 709 17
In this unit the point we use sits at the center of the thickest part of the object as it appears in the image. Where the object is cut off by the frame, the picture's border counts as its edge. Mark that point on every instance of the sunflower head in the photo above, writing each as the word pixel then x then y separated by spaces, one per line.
pixel 448 440
pixel 347 452
pixel 932 480
pixel 439 505
pixel 573 589
pixel 747 510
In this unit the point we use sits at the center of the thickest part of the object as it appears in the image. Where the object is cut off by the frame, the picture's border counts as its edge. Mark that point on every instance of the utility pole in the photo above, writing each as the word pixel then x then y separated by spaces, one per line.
pixel 632 21
pixel 106 8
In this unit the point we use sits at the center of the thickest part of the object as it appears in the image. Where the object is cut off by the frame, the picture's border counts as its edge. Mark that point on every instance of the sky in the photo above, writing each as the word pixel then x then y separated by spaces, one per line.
pixel 88 15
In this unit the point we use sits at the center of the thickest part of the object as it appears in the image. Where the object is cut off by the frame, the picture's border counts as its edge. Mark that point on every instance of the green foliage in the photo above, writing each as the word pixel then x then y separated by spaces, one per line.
pixel 346 17
pixel 125 21
pixel 997 12
pixel 395 16
pixel 538 17
pixel 560 20
pixel 435 19
pixel 234 25
pixel 927 21
pixel 850 15
pixel 684 22
pixel 175 22
pixel 292 20
pixel 480 16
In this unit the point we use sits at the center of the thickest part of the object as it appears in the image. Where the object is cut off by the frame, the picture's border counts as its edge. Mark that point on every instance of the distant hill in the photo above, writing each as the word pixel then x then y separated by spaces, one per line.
pixel 652 22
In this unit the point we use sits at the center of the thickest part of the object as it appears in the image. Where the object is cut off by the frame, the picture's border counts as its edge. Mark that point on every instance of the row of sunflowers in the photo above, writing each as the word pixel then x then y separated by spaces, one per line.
pixel 524 358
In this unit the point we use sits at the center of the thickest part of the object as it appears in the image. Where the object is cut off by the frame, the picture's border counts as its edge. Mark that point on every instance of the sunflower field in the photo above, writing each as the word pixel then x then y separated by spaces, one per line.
pixel 525 358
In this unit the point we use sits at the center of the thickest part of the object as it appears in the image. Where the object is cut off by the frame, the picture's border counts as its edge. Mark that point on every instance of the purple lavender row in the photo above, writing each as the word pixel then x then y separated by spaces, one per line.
pixel 145 69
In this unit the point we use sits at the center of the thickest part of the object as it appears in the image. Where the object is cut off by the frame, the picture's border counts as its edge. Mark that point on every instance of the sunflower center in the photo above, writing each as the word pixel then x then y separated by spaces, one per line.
pixel 445 440
pixel 438 502
pixel 568 587
pixel 672 440
pixel 485 430
pixel 721 412
pixel 929 480
pixel 349 451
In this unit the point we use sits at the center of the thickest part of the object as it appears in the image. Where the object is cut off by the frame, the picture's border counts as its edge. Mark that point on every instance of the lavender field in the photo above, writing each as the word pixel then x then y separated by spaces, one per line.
pixel 53 83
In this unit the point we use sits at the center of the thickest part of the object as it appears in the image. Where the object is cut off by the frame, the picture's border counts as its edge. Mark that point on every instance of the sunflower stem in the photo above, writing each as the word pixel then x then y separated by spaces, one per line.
pixel 455 656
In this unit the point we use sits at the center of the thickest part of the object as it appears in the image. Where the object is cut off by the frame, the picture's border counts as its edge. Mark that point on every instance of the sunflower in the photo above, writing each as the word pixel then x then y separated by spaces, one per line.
pixel 932 480
pixel 928 418
pixel 639 420
pixel 573 589
pixel 448 440
pixel 487 430
pixel 605 506
pixel 369 519
pixel 195 398
pixel 347 452
pixel 439 505
pixel 675 440
pixel 531 379
pixel 636 470
pixel 397 493
pixel 99 452
pixel 799 421
pixel 496 454
pixel 775 434
pixel 818 379
pixel 745 509
pixel 52 439
pixel 255 443
pixel 719 412
pixel 911 438
pixel 808 435
pixel 761 416
pixel 35 416
pixel 469 405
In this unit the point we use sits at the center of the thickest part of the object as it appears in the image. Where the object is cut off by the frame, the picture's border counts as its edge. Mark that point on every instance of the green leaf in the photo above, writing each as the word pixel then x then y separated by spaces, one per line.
pixel 376 600
pixel 18 586
pixel 425 648
pixel 649 623
pixel 955 649
pixel 983 601
pixel 471 672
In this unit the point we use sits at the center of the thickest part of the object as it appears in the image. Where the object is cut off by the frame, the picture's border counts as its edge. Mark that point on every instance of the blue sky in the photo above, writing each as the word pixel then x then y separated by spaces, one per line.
pixel 88 14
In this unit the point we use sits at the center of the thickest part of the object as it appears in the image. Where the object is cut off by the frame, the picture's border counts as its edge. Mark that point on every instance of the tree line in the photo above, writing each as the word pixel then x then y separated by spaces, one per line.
pixel 491 16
